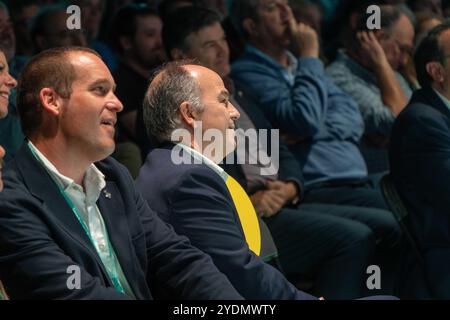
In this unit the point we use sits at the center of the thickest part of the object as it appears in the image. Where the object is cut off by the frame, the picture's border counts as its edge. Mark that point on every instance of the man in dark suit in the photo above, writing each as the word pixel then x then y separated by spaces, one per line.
pixel 72 229
pixel 420 158
pixel 183 105
pixel 317 241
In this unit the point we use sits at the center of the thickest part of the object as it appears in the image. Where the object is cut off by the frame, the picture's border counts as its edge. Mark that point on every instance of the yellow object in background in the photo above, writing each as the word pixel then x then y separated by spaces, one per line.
pixel 247 215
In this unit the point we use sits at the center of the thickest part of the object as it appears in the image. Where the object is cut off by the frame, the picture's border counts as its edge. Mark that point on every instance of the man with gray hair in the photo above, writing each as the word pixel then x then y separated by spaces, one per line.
pixel 184 106
pixel 334 251
pixel 367 71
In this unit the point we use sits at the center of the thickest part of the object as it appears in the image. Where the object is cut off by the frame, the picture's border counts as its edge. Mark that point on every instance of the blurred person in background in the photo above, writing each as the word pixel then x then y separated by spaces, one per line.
pixel 136 37
pixel 7 83
pixel 11 135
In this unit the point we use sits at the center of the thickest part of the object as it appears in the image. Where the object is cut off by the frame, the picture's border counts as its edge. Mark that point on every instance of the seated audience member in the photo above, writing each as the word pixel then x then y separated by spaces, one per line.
pixel 11 136
pixel 425 22
pixel 295 94
pixel 367 71
pixel 136 37
pixel 50 30
pixel 419 157
pixel 91 17
pixel 7 83
pixel 68 209
pixel 342 247
pixel 22 14
pixel 196 196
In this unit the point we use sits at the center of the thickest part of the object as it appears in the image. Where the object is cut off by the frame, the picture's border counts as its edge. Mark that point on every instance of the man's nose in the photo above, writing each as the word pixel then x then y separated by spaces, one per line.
pixel 115 104
pixel 234 113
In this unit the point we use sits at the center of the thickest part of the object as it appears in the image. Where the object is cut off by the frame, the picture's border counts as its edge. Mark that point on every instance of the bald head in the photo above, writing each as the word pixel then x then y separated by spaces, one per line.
pixel 190 97
pixel 175 83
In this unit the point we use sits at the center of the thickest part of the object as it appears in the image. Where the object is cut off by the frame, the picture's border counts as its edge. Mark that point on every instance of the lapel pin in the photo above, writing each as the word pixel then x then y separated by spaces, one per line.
pixel 107 194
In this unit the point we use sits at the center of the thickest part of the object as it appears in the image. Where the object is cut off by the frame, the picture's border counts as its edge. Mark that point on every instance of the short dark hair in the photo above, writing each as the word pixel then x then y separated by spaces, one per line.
pixel 183 22
pixel 163 98
pixel 124 23
pixel 241 10
pixel 49 69
pixel 429 50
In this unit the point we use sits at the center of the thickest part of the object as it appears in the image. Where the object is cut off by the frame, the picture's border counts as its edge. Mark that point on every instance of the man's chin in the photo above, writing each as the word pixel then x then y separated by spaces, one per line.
pixel 231 147
pixel 105 151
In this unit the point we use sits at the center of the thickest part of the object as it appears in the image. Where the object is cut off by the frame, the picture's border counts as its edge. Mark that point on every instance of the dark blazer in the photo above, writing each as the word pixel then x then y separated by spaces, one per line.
pixel 40 238
pixel 289 168
pixel 195 200
pixel 420 166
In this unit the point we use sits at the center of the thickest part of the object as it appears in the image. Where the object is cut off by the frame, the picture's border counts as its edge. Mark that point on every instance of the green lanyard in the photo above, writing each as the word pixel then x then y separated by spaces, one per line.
pixel 113 274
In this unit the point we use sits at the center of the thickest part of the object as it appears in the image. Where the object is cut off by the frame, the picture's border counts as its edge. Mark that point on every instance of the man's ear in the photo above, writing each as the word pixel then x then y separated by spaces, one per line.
pixel 250 27
pixel 187 115
pixel 177 54
pixel 50 100
pixel 436 71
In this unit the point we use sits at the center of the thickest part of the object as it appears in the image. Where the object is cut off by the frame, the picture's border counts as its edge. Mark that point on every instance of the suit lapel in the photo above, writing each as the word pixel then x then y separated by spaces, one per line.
pixel 42 186
pixel 112 208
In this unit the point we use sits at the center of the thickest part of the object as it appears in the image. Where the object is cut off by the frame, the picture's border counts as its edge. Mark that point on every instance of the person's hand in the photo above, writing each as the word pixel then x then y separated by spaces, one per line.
pixel 287 190
pixel 370 51
pixel 304 39
pixel 267 203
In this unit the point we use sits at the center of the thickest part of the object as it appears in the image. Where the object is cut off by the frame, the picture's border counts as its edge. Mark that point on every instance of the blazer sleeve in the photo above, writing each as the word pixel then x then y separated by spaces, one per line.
pixel 426 153
pixel 32 265
pixel 201 209
pixel 178 268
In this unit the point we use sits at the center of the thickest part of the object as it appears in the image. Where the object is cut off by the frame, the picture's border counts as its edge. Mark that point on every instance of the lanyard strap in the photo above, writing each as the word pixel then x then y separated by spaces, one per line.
pixel 113 274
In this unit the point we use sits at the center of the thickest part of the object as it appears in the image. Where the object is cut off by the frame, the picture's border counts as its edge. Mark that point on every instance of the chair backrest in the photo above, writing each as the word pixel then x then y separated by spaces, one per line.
pixel 400 212
pixel 269 250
